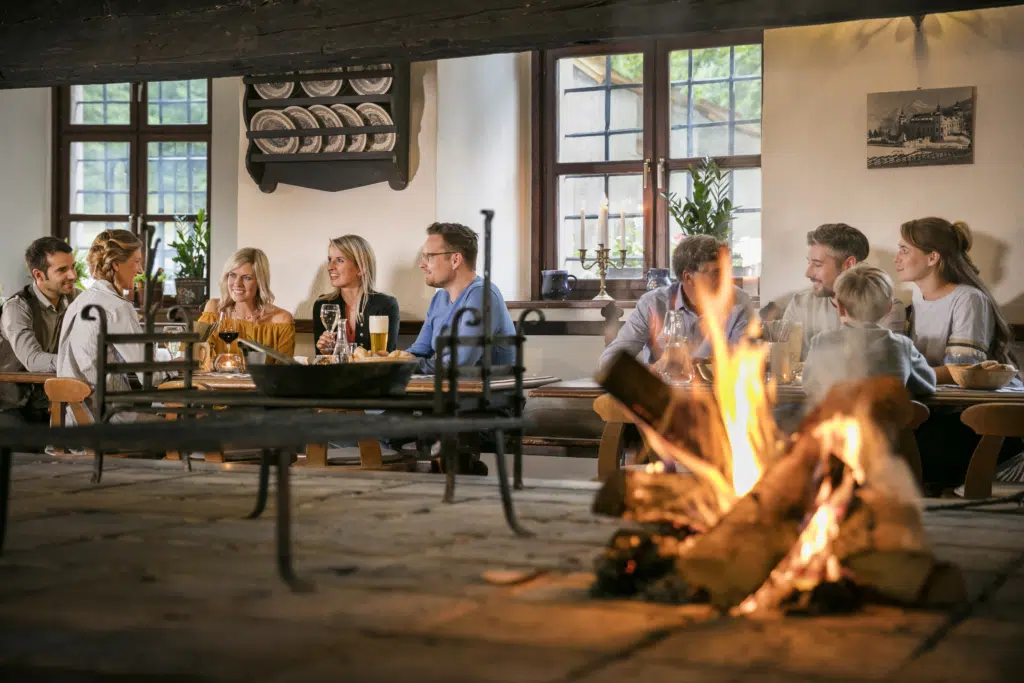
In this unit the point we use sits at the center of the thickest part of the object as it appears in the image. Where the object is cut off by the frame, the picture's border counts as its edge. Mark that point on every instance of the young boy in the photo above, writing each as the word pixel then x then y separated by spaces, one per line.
pixel 861 347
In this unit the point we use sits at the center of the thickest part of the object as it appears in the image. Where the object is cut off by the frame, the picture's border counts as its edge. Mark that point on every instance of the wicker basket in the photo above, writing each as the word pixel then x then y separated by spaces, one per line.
pixel 977 377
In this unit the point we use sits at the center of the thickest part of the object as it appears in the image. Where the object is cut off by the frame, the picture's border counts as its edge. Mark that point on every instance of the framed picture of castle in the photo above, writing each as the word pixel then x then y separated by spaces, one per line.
pixel 921 127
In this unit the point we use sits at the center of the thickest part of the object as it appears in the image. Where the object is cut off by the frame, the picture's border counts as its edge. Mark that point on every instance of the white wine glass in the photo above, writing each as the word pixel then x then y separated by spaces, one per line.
pixel 174 347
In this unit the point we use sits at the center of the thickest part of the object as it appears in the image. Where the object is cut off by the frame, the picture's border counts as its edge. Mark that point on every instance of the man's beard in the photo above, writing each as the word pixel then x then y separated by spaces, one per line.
pixel 824 292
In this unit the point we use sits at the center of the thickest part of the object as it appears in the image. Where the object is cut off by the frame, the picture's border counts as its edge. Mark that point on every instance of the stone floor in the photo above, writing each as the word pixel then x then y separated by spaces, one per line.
pixel 155 575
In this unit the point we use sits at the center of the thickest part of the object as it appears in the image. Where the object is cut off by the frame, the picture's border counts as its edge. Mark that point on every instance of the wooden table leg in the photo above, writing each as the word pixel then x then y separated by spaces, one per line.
pixel 370 456
pixel 609 451
pixel 316 455
pixel 982 468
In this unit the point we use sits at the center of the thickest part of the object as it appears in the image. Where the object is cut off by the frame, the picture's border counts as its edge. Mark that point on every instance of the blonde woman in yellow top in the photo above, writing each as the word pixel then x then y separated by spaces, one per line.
pixel 246 305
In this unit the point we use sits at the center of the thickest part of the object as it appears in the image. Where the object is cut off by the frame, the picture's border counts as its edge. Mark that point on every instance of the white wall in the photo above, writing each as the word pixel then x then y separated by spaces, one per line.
pixel 294 225
pixel 816 81
pixel 226 100
pixel 483 162
pixel 25 179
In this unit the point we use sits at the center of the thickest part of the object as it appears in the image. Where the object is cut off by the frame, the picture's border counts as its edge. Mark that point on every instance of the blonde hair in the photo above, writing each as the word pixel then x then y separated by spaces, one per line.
pixel 357 250
pixel 261 271
pixel 111 247
pixel 952 242
pixel 865 292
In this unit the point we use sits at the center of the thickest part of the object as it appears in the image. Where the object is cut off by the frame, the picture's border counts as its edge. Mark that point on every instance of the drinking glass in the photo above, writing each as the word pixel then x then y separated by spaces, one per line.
pixel 329 315
pixel 227 336
pixel 676 364
pixel 174 347
pixel 378 333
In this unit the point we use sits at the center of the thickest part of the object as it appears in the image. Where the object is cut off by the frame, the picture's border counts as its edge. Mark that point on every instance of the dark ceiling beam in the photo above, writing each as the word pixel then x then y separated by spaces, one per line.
pixel 53 42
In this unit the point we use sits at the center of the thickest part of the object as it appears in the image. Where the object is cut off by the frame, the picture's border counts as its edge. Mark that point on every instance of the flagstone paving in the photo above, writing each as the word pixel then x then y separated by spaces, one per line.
pixel 156 575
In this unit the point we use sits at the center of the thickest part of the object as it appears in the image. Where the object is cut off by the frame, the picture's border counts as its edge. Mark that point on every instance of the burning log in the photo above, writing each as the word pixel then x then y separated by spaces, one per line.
pixel 735 558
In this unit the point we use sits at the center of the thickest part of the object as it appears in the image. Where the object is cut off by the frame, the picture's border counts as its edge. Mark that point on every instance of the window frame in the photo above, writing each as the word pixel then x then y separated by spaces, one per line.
pixel 139 133
pixel 655 166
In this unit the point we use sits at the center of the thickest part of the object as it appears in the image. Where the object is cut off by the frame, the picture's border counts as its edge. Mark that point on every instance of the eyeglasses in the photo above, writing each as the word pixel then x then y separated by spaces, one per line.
pixel 427 255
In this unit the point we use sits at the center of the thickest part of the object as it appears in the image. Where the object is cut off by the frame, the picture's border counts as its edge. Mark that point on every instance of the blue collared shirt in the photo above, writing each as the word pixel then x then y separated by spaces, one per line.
pixel 440 313
pixel 635 336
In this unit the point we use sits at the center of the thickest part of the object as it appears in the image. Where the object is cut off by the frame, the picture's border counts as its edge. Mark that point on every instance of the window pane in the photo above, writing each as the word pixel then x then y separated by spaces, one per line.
pixel 625 202
pixel 745 240
pixel 177 103
pixel 711 63
pixel 166 231
pixel 176 177
pixel 108 104
pixel 599 98
pixel 99 177
pixel 715 102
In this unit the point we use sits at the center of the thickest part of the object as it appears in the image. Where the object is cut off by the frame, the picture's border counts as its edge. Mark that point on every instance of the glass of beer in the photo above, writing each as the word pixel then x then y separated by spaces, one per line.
pixel 378 333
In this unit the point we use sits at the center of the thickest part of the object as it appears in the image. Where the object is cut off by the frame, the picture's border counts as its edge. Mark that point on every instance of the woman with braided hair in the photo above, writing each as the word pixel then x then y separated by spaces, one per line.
pixel 953 319
pixel 115 258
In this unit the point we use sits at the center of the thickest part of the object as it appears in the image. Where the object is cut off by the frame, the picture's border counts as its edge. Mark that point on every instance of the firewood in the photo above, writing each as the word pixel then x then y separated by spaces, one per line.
pixel 678 500
pixel 944 588
pixel 734 559
pixel 885 401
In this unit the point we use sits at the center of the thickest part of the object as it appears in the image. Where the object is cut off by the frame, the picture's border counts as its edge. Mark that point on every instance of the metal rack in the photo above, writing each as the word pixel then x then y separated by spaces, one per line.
pixel 275 431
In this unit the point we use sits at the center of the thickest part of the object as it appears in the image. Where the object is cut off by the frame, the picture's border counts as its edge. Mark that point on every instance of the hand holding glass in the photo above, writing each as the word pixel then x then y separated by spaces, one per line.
pixel 329 315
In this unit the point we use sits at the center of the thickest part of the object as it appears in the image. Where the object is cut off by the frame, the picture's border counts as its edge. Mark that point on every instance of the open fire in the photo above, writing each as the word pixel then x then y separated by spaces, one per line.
pixel 735 513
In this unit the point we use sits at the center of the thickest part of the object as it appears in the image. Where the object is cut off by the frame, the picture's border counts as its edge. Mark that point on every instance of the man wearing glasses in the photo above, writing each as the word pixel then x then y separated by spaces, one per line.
pixel 448 261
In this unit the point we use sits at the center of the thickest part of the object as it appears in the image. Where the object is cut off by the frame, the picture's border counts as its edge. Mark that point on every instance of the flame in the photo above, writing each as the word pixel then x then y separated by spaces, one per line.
pixel 744 400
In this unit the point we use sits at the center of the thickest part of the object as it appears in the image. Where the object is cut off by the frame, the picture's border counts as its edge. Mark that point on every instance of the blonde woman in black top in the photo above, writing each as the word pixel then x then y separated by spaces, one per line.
pixel 352 268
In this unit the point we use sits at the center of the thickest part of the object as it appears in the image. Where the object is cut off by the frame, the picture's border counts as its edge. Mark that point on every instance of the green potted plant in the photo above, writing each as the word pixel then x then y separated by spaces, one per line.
pixel 139 287
pixel 709 211
pixel 191 246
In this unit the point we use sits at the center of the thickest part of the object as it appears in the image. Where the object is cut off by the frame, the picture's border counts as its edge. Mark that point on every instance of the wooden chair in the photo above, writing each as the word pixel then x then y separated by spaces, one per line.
pixel 210 456
pixel 993 422
pixel 907 443
pixel 64 393
pixel 613 437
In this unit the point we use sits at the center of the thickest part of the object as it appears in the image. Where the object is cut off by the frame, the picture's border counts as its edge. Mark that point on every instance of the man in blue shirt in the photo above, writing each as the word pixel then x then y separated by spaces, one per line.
pixel 448 261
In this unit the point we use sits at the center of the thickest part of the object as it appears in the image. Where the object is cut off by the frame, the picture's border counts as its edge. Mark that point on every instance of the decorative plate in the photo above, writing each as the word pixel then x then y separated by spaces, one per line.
pixel 322 88
pixel 274 91
pixel 376 116
pixel 303 119
pixel 329 119
pixel 272 119
pixel 355 143
pixel 371 86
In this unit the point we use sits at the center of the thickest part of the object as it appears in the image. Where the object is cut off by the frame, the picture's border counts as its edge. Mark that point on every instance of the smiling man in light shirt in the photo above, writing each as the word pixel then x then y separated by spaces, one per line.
pixel 831 249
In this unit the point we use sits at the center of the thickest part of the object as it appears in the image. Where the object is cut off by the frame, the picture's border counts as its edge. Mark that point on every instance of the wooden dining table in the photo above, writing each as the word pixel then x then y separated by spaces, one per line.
pixel 370 456
pixel 613 434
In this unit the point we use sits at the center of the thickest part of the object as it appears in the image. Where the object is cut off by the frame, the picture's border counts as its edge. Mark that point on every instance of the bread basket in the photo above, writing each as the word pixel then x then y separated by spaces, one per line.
pixel 977 376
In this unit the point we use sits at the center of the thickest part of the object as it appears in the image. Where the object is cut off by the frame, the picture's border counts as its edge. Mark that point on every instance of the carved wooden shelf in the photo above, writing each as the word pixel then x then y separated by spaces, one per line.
pixel 331 171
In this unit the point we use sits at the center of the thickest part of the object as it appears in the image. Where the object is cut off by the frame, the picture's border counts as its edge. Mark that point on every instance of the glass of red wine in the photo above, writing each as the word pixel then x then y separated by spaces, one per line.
pixel 227 361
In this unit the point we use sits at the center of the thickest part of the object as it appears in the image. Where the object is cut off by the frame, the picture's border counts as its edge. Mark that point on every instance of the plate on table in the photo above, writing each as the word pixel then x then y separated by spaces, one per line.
pixel 351 118
pixel 329 119
pixel 303 119
pixel 376 116
pixel 370 86
pixel 323 88
pixel 271 119
pixel 274 91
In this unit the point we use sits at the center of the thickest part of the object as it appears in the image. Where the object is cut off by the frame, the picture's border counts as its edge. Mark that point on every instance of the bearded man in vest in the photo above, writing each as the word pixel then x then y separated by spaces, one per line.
pixel 30 325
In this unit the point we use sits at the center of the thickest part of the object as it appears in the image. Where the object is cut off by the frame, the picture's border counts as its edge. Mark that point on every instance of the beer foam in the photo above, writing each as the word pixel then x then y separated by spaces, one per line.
pixel 378 324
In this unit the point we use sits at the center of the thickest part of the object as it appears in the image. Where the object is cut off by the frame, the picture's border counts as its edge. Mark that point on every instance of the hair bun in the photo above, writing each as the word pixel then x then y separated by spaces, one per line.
pixel 964 238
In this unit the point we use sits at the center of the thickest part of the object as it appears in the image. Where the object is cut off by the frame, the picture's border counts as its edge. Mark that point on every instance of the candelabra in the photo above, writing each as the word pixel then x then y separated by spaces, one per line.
pixel 603 262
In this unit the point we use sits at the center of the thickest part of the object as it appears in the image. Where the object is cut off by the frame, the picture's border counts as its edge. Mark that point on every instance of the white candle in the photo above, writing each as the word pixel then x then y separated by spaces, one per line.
pixel 583 228
pixel 622 229
pixel 602 223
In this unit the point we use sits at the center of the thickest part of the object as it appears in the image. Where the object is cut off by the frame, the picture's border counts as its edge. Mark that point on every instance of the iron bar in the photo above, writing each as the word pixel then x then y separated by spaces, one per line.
pixel 5 492
pixel 486 328
pixel 264 485
pixel 506 495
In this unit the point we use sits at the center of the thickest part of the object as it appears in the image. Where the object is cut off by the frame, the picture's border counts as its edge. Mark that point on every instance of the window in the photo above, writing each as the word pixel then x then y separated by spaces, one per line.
pixel 618 126
pixel 128 154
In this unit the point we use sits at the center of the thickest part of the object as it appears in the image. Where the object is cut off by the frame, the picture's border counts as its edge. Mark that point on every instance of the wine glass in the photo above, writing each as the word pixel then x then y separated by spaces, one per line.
pixel 227 336
pixel 174 347
pixel 329 315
